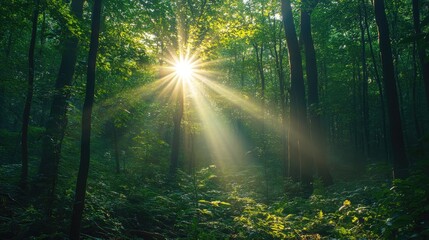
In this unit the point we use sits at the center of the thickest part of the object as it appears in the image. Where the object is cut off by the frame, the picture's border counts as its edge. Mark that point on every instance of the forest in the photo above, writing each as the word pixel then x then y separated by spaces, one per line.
pixel 214 119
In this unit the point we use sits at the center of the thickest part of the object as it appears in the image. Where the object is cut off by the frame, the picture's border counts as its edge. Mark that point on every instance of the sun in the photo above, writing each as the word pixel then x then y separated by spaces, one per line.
pixel 184 69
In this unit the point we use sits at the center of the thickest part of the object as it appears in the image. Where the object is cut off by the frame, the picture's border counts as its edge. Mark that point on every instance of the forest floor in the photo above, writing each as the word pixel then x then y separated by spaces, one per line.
pixel 214 205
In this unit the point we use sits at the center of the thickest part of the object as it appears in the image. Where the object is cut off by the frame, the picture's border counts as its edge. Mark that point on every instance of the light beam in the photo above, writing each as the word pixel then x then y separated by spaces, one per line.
pixel 184 69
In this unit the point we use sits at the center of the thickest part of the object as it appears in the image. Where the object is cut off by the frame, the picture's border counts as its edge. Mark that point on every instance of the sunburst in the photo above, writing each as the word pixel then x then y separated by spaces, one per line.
pixel 184 69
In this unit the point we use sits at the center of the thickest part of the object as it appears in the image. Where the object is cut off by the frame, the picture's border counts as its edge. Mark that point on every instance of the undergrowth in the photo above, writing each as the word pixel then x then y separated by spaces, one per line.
pixel 211 205
pixel 140 203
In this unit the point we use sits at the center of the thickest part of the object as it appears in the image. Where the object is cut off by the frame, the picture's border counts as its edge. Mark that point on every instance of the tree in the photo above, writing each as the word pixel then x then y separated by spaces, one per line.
pixel 299 164
pixel 177 121
pixel 400 163
pixel 79 201
pixel 57 122
pixel 421 48
pixel 183 37
pixel 29 97
pixel 192 33
pixel 278 53
pixel 317 132
pixel 376 75
pixel 364 81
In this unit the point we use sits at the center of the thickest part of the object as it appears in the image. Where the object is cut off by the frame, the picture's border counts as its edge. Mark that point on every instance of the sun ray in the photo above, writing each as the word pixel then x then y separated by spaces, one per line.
pixel 202 93
pixel 184 69
pixel 226 149
pixel 245 103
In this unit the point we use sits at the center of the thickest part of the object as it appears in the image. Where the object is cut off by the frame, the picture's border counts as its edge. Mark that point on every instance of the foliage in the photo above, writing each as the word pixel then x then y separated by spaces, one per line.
pixel 211 205
pixel 247 196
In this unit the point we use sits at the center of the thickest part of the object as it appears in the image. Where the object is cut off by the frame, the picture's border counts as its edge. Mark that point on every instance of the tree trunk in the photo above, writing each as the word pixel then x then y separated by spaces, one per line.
pixel 57 121
pixel 365 108
pixel 175 145
pixel 400 163
pixel 278 56
pixel 316 128
pixel 421 48
pixel 259 51
pixel 355 114
pixel 79 201
pixel 414 95
pixel 259 63
pixel 298 159
pixel 377 78
pixel 27 107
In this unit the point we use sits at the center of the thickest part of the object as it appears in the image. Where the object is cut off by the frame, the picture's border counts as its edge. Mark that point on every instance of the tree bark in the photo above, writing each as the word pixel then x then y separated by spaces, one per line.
pixel 298 159
pixel 29 97
pixel 377 78
pixel 421 49
pixel 365 108
pixel 259 50
pixel 400 163
pixel 316 128
pixel 278 56
pixel 414 95
pixel 57 121
pixel 79 201
pixel 177 121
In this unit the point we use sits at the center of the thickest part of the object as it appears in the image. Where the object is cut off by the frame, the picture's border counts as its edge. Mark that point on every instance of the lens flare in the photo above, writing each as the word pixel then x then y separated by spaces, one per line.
pixel 184 69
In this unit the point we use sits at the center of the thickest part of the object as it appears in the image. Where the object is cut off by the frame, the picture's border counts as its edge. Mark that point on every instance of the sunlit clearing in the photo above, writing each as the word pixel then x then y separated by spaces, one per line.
pixel 184 69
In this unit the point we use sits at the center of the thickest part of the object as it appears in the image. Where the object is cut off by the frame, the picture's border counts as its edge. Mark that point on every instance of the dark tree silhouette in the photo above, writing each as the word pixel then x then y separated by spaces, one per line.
pixel 57 121
pixel 364 81
pixel 177 121
pixel 400 163
pixel 421 48
pixel 29 97
pixel 318 137
pixel 298 159
pixel 79 201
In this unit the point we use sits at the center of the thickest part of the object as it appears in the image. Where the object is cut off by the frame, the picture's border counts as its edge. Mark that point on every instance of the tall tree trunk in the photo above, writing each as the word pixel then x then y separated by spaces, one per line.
pixel 79 201
pixel 259 51
pixel 414 95
pixel 298 159
pixel 259 63
pixel 57 121
pixel 183 46
pixel 177 121
pixel 377 78
pixel 29 97
pixel 365 108
pixel 400 163
pixel 421 48
pixel 355 114
pixel 7 50
pixel 316 128
pixel 278 56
